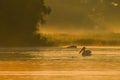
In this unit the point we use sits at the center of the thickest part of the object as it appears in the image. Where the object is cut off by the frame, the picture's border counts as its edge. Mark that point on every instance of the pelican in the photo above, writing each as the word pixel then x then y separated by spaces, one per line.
pixel 85 52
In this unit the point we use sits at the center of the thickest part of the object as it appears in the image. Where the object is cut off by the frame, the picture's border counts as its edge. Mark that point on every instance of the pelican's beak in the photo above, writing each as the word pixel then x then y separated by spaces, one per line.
pixel 81 50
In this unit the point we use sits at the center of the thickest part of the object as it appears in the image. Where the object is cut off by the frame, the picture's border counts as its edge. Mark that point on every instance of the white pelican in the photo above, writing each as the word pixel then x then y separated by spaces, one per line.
pixel 85 52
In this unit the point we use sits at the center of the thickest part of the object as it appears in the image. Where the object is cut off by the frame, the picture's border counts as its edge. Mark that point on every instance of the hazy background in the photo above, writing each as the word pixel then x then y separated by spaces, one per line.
pixel 96 22
pixel 76 16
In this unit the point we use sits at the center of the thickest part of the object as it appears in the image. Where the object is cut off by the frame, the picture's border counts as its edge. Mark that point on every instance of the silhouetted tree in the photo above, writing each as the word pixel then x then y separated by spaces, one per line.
pixel 18 21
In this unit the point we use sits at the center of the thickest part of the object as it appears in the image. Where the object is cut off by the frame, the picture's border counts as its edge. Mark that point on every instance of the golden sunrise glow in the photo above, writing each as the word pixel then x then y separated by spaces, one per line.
pixel 82 16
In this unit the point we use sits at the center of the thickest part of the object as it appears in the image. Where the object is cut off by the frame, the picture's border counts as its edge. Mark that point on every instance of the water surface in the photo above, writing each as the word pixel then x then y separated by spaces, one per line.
pixel 58 60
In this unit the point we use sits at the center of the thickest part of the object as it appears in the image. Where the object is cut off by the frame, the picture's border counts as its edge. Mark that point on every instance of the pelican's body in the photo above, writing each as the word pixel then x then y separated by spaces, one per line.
pixel 85 52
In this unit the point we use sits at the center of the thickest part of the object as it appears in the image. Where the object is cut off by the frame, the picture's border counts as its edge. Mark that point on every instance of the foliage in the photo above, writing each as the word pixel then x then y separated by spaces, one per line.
pixel 19 20
pixel 108 39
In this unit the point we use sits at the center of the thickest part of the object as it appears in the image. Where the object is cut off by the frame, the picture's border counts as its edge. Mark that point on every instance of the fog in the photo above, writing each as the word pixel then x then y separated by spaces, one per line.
pixel 83 16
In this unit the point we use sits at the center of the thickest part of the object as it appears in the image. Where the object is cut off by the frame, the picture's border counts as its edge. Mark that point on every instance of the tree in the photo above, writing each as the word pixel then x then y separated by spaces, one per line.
pixel 18 21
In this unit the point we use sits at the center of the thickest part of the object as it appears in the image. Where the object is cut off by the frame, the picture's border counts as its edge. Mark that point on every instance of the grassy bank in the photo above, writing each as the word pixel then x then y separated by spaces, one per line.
pixel 105 39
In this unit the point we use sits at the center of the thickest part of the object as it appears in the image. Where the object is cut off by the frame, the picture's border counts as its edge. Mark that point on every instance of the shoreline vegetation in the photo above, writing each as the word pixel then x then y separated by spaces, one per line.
pixel 104 39
pixel 64 39
pixel 19 22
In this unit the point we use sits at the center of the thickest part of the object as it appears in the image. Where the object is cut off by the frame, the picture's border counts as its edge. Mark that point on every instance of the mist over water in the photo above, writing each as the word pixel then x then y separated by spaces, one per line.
pixel 102 54
pixel 48 62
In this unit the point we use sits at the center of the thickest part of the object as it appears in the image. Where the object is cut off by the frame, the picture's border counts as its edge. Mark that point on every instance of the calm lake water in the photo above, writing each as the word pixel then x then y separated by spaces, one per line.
pixel 57 53
pixel 58 63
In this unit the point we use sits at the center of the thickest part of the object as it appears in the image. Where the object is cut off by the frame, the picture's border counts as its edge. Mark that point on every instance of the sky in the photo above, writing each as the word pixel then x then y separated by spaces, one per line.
pixel 81 16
